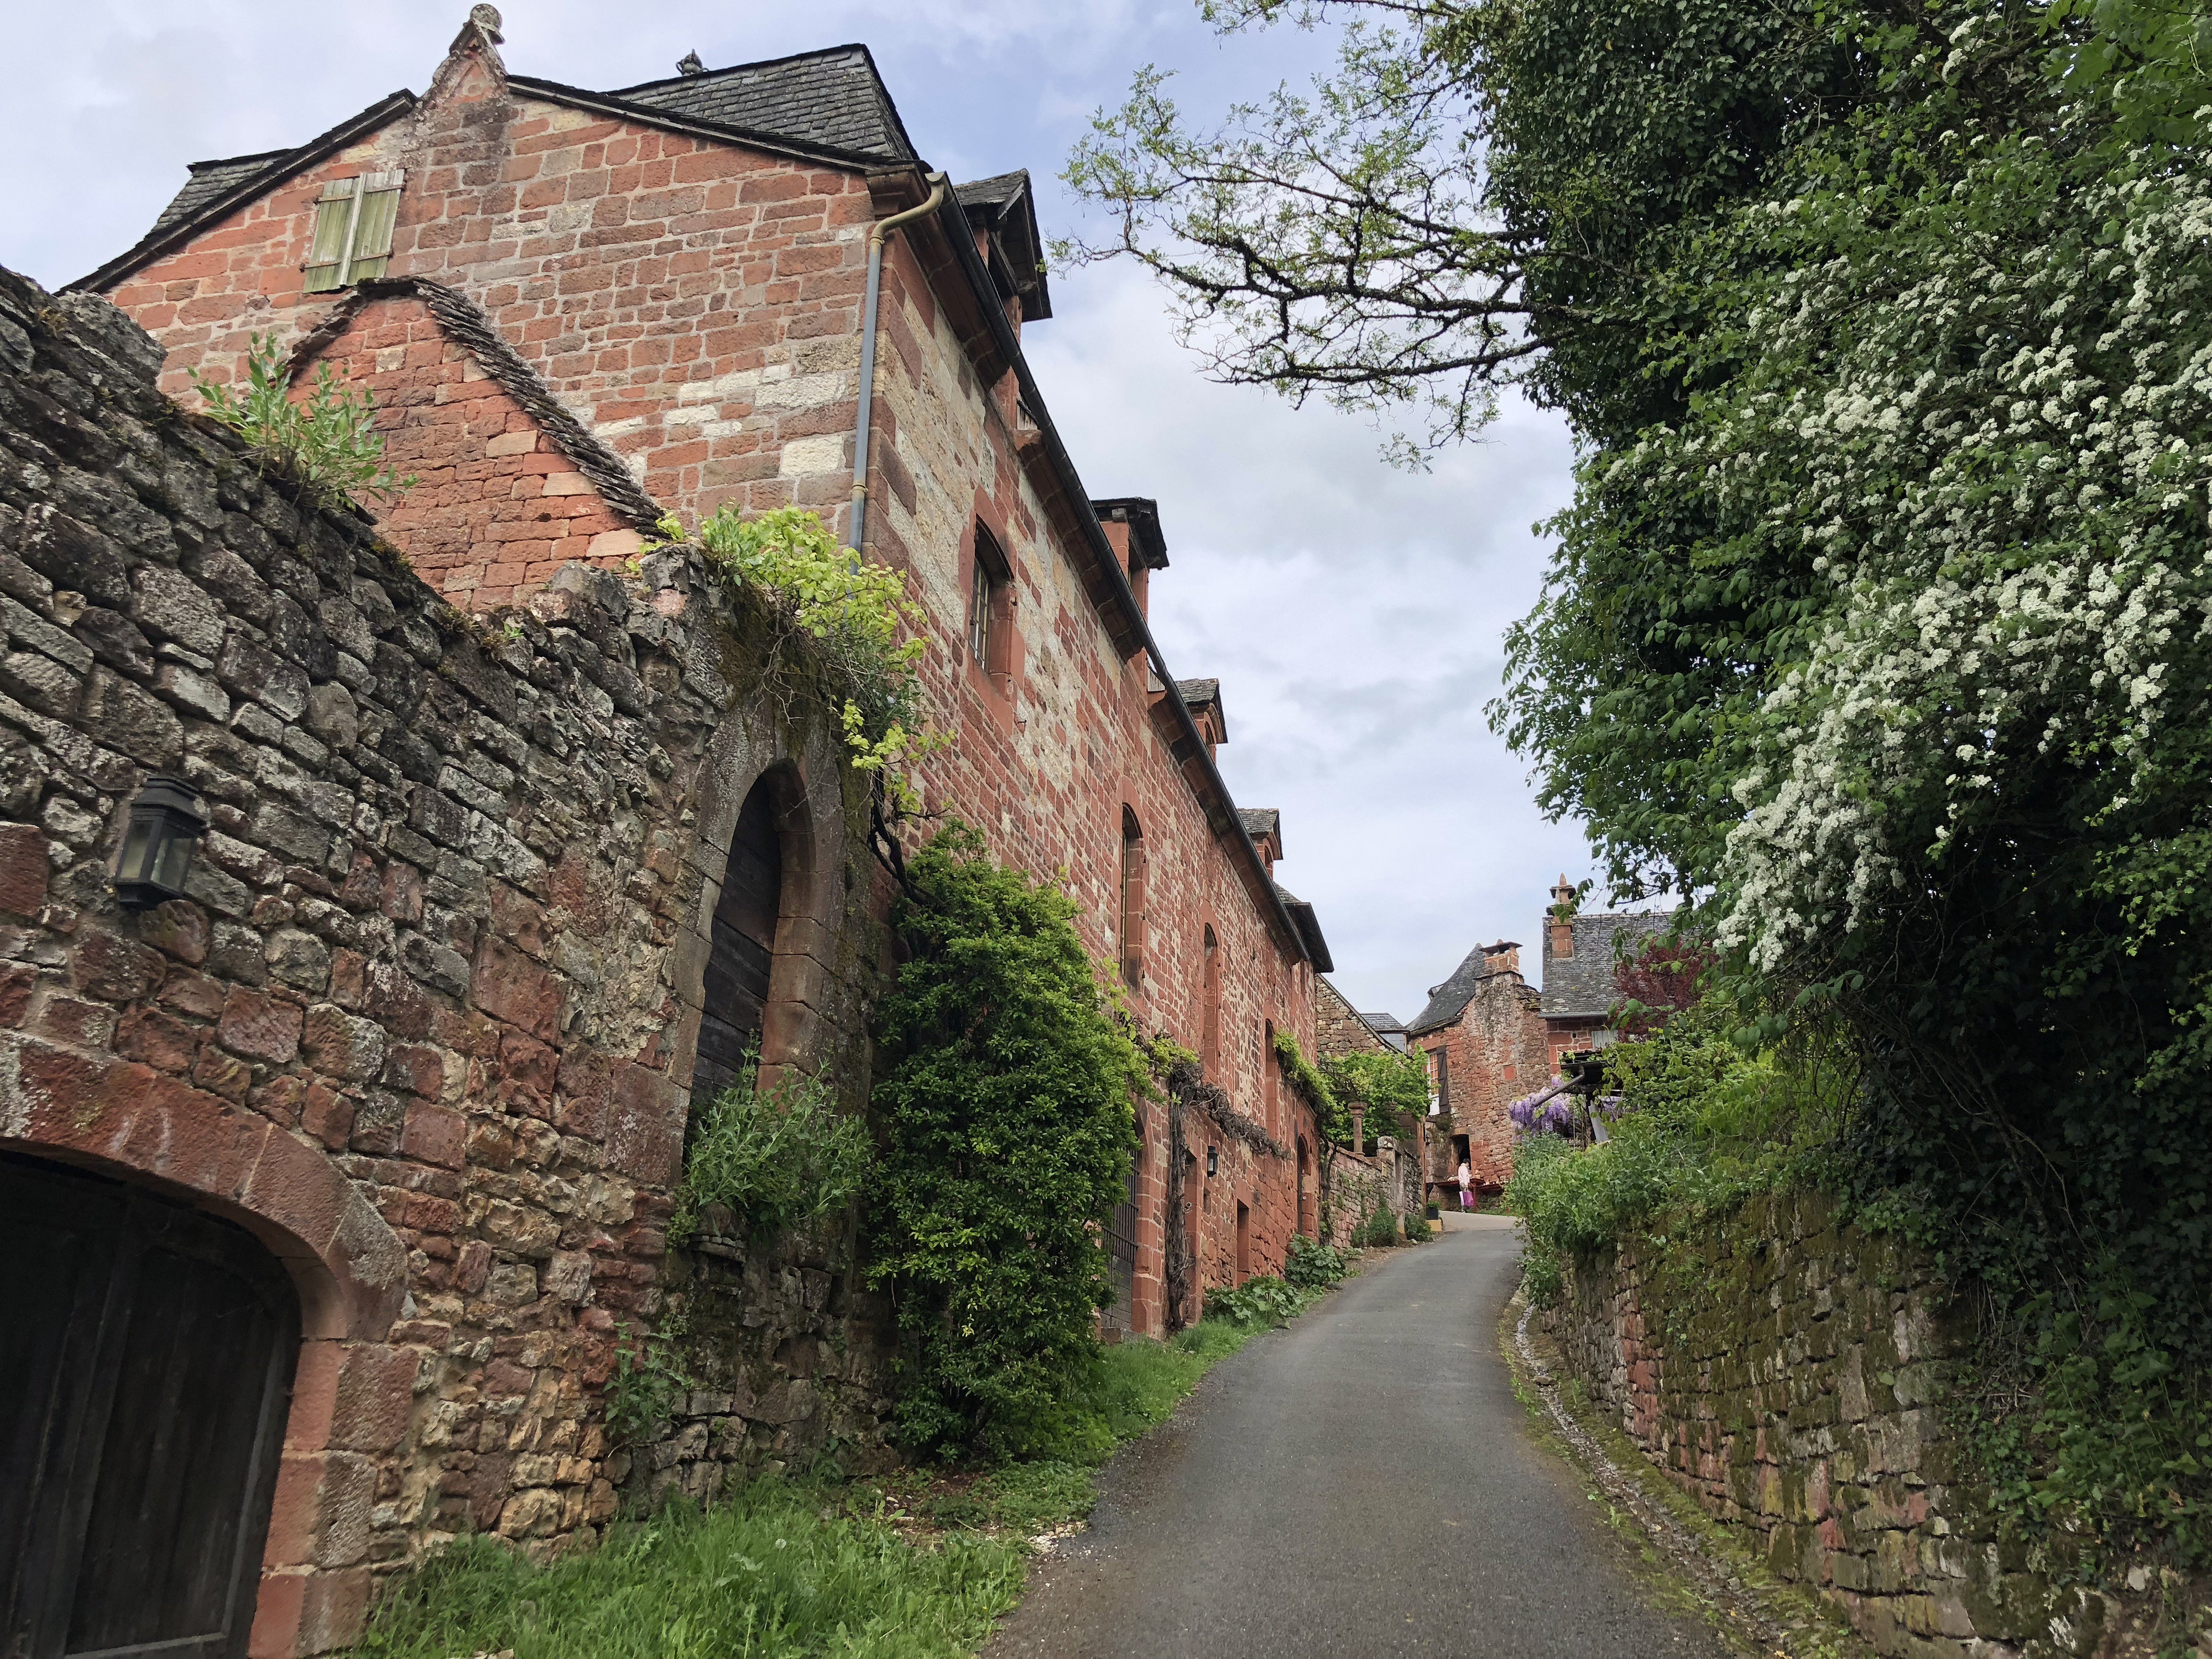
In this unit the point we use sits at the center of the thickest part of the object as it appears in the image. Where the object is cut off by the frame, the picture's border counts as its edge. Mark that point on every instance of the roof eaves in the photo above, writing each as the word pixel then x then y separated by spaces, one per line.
pixel 1107 585
pixel 607 103
pixel 282 164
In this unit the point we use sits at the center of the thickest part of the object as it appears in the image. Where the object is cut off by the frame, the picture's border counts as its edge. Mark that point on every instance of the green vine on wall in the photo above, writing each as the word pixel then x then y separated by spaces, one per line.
pixel 1008 1120
pixel 862 624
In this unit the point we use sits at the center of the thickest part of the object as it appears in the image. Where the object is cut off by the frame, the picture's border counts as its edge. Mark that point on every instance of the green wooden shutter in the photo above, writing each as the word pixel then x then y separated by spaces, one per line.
pixel 334 219
pixel 372 233
pixel 354 220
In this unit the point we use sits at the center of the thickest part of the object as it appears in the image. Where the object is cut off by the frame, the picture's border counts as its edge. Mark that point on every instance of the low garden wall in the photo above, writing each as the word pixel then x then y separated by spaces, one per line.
pixel 1794 1375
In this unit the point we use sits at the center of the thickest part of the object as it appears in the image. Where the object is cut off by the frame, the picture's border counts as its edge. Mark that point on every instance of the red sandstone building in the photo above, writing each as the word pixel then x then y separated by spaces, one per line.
pixel 1491 1038
pixel 454 970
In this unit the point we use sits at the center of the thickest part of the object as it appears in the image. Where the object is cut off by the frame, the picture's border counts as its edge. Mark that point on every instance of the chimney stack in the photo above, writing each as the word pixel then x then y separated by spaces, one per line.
pixel 1562 922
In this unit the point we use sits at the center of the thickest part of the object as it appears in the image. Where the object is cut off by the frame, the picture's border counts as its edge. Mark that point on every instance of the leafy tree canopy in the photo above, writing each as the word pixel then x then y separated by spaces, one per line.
pixel 1881 620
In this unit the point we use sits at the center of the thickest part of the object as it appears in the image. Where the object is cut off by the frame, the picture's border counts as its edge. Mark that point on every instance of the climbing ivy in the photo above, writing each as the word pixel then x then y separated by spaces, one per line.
pixel 1008 1121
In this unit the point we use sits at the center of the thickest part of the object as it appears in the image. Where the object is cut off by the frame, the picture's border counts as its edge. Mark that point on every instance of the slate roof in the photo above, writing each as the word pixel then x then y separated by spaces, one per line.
pixel 1262 821
pixel 1447 999
pixel 1387 1027
pixel 832 98
pixel 1199 693
pixel 1004 208
pixel 211 179
pixel 1584 986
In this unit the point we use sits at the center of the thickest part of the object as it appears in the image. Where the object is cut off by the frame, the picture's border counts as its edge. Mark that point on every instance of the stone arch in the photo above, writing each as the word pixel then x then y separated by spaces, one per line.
pixel 799 797
pixel 1209 1013
pixel 351 1393
pixel 128 1120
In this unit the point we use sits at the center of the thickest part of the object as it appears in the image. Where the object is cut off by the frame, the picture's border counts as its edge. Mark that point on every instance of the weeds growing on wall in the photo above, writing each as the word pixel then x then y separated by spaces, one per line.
pixel 856 613
pixel 1705 1123
pixel 326 439
pixel 1008 1118
pixel 775 1158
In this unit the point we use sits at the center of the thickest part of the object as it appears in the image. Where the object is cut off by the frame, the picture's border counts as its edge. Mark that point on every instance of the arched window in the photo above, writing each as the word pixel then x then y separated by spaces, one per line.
pixel 767 850
pixel 1132 901
pixel 1209 1042
pixel 1268 1066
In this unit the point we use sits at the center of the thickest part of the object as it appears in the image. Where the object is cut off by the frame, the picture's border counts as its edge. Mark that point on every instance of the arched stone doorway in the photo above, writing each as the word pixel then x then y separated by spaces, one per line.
pixel 753 949
pixel 146 1373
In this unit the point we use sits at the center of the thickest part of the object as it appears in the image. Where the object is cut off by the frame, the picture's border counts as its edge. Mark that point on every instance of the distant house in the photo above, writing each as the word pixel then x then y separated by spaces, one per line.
pixel 1583 956
pixel 1484 1037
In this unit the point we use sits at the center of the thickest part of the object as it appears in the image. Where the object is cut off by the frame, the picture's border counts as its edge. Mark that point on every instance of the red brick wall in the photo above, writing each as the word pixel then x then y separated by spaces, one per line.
pixel 495 508
pixel 697 307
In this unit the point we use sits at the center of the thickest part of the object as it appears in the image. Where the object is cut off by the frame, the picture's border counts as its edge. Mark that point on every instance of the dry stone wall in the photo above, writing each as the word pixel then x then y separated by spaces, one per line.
pixel 424 1020
pixel 1792 1373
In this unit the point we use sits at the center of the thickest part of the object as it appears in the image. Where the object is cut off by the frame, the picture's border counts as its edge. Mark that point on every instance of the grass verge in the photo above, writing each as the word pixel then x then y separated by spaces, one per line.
pixel 914 1565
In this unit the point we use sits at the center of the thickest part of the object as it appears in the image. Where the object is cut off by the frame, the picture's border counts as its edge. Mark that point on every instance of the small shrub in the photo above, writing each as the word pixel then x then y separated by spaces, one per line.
pixel 778 1158
pixel 1417 1230
pixel 1265 1300
pixel 647 1380
pixel 1313 1267
pixel 1379 1230
pixel 327 440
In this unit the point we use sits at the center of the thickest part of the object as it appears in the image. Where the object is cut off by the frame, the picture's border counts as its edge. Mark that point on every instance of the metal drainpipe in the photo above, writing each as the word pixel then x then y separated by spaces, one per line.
pixel 884 228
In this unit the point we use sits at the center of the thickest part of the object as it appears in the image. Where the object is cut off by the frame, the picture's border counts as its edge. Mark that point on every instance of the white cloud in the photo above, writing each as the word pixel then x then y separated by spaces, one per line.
pixel 1353 612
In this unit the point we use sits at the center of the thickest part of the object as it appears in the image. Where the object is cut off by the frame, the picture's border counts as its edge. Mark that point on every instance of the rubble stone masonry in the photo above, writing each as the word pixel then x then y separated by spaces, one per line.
pixel 424 1022
pixel 1792 1374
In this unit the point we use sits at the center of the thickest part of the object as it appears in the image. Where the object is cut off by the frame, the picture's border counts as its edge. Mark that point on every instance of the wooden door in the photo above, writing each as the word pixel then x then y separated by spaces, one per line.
pixel 1118 1319
pixel 146 1355
pixel 741 948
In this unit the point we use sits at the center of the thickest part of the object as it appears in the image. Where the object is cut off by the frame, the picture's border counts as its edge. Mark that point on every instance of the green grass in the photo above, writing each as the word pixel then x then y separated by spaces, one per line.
pixel 786 1569
pixel 773 1572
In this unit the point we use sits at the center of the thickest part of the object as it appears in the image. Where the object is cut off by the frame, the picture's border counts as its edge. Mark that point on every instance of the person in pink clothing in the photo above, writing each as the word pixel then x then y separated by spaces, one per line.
pixel 1466 1186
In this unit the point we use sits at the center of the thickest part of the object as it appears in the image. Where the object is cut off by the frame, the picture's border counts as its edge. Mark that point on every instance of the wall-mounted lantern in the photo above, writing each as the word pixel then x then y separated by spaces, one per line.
pixel 166 824
pixel 1212 1162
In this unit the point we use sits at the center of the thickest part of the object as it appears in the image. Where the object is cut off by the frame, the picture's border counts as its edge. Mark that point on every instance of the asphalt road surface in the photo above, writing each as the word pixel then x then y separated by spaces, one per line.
pixel 1362 1484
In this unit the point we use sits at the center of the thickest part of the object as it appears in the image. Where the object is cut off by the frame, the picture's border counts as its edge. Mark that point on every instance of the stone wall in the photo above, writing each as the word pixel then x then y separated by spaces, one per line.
pixel 423 1022
pixel 1791 1373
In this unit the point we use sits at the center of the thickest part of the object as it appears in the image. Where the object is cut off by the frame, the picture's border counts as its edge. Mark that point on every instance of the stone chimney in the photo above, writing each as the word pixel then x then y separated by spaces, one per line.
pixel 1503 957
pixel 1562 926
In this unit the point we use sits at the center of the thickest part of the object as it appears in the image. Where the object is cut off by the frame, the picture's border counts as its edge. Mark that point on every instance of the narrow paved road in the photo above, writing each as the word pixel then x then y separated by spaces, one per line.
pixel 1362 1484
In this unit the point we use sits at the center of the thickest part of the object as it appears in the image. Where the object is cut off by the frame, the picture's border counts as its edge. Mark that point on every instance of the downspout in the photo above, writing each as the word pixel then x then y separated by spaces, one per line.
pixel 883 228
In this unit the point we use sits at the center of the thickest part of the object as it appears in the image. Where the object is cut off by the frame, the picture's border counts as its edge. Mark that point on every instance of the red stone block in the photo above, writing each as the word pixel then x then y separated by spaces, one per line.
pixel 24 867
pixel 508 986
pixel 259 1027
pixel 436 1134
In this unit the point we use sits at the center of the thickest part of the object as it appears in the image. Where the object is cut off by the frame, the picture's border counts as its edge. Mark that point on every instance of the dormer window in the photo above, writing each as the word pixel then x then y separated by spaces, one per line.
pixel 354 220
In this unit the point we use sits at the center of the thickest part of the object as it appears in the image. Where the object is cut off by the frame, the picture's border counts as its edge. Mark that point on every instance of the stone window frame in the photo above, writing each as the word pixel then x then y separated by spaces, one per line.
pixel 989 639
pixel 1135 871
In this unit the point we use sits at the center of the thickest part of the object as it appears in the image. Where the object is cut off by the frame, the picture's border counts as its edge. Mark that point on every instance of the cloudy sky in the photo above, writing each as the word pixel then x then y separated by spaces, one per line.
pixel 1352 613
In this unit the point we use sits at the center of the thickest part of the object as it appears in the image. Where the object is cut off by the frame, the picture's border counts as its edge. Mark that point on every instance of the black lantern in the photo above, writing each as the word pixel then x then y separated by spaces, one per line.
pixel 165 820
pixel 1212 1162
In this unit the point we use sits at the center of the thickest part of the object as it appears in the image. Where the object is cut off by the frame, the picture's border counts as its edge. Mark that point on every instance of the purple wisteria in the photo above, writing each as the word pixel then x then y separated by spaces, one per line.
pixel 1537 1114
